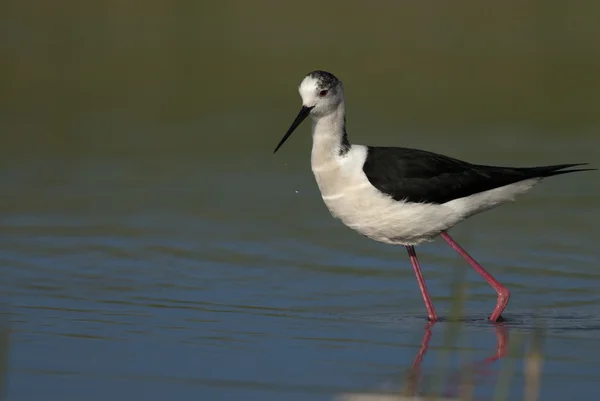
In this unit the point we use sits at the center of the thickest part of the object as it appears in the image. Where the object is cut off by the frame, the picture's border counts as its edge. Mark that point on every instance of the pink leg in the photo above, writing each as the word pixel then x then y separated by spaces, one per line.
pixel 503 293
pixel 428 304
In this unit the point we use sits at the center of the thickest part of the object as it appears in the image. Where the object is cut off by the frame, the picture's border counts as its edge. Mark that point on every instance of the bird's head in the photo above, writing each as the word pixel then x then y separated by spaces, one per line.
pixel 321 93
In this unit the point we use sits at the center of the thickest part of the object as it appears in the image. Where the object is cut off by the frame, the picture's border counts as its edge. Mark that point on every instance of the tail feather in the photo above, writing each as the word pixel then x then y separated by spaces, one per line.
pixel 558 169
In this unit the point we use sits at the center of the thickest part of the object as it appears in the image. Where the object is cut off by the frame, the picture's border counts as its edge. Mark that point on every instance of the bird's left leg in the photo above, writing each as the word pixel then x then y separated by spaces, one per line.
pixel 502 291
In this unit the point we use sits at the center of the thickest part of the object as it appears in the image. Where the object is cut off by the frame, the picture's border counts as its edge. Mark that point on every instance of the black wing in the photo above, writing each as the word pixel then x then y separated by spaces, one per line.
pixel 420 176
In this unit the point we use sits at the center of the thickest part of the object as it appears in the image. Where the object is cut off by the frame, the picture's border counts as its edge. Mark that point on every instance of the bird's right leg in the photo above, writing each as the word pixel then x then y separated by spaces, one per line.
pixel 415 264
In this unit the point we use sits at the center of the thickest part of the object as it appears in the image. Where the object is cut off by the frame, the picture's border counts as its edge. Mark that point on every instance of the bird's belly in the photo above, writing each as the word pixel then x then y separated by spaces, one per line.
pixel 363 208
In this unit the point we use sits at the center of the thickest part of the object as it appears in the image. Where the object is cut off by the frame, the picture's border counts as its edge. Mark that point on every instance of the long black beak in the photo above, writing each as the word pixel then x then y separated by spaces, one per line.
pixel 304 111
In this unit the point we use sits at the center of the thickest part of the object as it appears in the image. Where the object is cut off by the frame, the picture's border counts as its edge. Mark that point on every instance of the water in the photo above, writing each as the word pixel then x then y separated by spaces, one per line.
pixel 151 246
pixel 120 282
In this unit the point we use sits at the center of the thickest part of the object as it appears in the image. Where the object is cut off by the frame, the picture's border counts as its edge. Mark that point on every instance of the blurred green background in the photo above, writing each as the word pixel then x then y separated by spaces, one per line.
pixel 206 77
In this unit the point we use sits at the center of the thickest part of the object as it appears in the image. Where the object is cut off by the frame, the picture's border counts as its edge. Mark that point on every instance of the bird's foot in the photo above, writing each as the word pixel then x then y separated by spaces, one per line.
pixel 499 319
pixel 432 316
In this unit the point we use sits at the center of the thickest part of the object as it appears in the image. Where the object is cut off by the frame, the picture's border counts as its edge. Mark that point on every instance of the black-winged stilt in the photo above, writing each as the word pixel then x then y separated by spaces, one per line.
pixel 403 196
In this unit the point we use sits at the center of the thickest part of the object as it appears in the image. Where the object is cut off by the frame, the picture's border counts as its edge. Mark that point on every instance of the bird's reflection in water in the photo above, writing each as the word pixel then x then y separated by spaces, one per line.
pixel 456 386
pixel 453 389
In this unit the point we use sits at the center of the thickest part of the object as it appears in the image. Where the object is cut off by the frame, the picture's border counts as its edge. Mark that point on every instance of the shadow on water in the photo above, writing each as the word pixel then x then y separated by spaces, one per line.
pixel 555 322
pixel 552 322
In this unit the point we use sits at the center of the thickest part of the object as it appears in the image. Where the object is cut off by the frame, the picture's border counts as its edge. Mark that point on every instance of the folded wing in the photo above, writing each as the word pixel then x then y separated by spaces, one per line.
pixel 426 177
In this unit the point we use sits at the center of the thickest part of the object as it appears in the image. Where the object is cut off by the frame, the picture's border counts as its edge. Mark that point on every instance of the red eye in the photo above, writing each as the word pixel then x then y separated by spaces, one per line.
pixel 323 93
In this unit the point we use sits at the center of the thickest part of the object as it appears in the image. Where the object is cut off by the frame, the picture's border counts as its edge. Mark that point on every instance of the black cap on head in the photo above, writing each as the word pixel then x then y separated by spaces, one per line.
pixel 326 79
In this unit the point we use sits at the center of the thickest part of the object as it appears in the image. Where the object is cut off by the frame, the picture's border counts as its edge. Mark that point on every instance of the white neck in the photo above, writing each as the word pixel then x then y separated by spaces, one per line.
pixel 328 135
